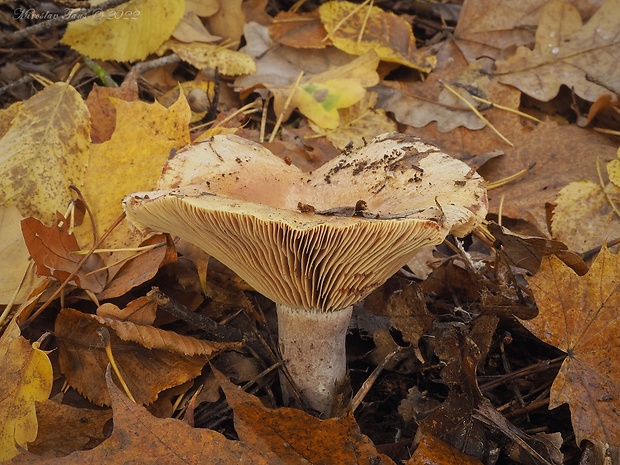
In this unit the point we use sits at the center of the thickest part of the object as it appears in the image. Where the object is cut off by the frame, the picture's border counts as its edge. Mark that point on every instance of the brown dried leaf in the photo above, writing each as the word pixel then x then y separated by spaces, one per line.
pixel 583 58
pixel 52 249
pixel 173 359
pixel 141 267
pixel 296 437
pixel 140 438
pixel 299 30
pixel 579 315
pixel 434 451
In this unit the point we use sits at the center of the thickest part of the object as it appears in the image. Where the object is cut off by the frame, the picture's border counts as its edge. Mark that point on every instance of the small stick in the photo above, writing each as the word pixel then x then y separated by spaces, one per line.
pixel 104 335
pixel 357 400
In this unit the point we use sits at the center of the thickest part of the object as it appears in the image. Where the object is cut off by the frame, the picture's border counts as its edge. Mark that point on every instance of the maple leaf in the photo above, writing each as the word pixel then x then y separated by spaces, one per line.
pixel 579 315
pixel 140 438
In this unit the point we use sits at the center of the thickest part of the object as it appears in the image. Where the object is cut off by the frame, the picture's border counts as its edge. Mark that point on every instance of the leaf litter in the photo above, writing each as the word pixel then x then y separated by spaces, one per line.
pixel 468 346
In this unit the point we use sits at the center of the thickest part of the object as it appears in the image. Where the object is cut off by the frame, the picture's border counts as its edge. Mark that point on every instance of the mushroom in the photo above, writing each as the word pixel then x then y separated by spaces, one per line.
pixel 314 243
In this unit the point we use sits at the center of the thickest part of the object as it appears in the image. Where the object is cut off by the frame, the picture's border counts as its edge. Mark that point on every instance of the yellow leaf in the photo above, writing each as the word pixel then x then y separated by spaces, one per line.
pixel 358 122
pixel 132 159
pixel 200 55
pixel 44 151
pixel 26 377
pixel 320 96
pixel 128 32
pixel 13 250
pixel 387 34
pixel 613 170
pixel 583 217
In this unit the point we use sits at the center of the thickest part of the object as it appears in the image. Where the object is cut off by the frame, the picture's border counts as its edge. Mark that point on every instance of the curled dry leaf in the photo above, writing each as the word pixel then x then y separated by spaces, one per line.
pixel 579 315
pixel 150 359
pixel 53 251
pixel 140 438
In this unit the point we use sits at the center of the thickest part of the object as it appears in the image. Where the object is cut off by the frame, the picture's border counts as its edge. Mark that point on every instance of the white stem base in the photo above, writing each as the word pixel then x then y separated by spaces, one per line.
pixel 313 348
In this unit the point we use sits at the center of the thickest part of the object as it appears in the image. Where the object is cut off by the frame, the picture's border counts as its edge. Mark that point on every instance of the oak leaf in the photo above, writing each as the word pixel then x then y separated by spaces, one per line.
pixel 579 315
pixel 582 57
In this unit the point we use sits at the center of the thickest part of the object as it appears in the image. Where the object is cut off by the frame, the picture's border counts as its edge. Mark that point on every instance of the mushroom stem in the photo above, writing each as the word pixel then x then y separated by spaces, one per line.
pixel 312 345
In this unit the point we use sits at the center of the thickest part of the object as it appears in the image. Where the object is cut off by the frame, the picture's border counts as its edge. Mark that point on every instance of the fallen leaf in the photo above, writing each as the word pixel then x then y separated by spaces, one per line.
pixel 583 216
pixel 102 110
pixel 44 151
pixel 582 57
pixel 56 419
pixel 527 252
pixel 13 250
pixel 149 359
pixel 319 97
pixel 200 55
pixel 228 21
pixel 140 267
pixel 299 30
pixel 296 437
pixel 579 315
pixel 53 251
pixel 191 29
pixel 357 30
pixel 358 122
pixel 434 451
pixel 141 311
pixel 26 377
pixel 553 155
pixel 486 29
pixel 128 32
pixel 132 160
pixel 420 103
pixel 140 438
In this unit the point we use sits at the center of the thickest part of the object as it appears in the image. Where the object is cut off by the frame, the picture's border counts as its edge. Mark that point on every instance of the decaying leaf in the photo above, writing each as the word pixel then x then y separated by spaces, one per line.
pixel 53 251
pixel 583 57
pixel 296 437
pixel 319 97
pixel 26 377
pixel 579 315
pixel 584 217
pixel 434 451
pixel 357 30
pixel 140 438
pixel 299 30
pixel 128 32
pixel 228 62
pixel 44 151
pixel 150 359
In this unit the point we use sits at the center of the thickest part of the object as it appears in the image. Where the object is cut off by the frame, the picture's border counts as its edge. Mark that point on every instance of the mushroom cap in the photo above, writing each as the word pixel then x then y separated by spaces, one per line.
pixel 321 240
